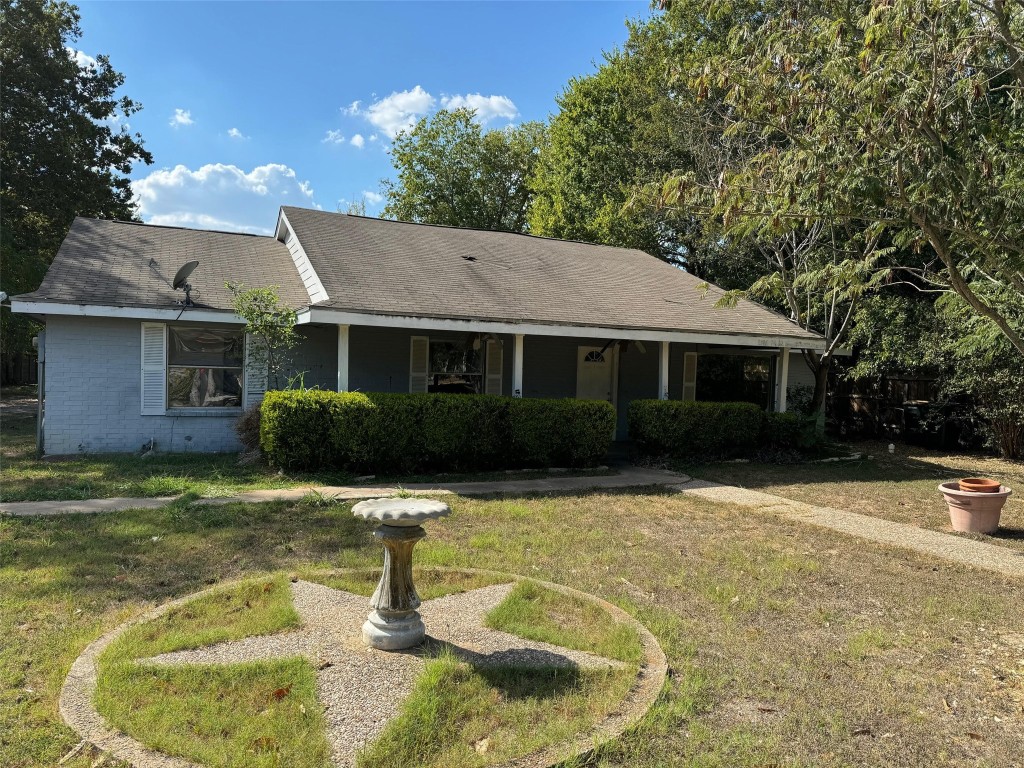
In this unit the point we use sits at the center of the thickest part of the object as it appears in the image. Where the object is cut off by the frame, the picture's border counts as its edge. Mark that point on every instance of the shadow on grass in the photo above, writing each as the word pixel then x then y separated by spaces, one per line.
pixel 155 554
pixel 541 683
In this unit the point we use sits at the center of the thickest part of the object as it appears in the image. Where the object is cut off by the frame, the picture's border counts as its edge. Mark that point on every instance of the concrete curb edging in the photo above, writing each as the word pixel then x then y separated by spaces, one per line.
pixel 77 709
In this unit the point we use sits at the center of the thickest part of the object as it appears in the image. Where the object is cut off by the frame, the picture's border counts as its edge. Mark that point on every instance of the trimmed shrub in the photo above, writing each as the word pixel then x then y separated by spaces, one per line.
pixel 314 429
pixel 568 433
pixel 692 430
pixel 788 432
pixel 386 432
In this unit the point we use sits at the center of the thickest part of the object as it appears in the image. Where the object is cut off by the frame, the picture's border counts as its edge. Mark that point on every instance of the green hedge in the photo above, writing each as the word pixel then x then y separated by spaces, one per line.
pixel 788 431
pixel 378 432
pixel 705 430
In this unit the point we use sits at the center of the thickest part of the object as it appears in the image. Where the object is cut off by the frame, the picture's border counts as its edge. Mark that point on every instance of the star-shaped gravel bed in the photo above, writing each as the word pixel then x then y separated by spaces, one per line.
pixel 361 688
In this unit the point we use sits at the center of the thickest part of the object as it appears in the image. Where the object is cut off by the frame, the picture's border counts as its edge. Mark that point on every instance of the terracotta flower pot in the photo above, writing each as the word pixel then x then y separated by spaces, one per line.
pixel 979 485
pixel 973 511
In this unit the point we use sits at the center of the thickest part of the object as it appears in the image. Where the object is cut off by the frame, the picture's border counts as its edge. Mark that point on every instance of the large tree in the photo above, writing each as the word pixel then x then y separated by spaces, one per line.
pixel 65 149
pixel 616 129
pixel 621 131
pixel 903 119
pixel 451 171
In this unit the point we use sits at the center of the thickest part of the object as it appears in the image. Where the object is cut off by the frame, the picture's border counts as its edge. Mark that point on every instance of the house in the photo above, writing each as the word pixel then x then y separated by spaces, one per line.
pixel 382 306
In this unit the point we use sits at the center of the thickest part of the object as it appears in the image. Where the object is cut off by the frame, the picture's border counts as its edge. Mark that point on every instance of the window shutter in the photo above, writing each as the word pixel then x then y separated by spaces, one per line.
pixel 419 362
pixel 255 377
pixel 492 381
pixel 154 369
pixel 690 376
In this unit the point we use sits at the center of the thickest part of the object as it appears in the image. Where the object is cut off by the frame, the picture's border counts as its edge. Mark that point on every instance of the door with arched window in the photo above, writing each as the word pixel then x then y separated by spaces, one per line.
pixel 595 373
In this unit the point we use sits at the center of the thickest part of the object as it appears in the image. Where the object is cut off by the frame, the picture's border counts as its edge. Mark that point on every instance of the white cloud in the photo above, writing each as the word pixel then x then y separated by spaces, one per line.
pixel 219 196
pixel 402 109
pixel 399 111
pixel 358 141
pixel 372 197
pixel 83 60
pixel 487 107
pixel 234 133
pixel 181 117
pixel 333 137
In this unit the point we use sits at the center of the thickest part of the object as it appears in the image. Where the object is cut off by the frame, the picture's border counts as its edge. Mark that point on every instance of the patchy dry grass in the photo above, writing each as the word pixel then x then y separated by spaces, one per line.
pixel 788 645
pixel 542 614
pixel 430 582
pixel 257 607
pixel 24 477
pixel 225 716
pixel 461 717
pixel 902 487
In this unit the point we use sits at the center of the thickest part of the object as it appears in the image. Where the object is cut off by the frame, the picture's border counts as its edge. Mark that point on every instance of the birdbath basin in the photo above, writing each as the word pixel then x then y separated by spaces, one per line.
pixel 395 623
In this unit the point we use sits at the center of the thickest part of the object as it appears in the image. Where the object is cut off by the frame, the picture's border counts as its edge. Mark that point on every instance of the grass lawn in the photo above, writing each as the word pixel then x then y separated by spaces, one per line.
pixel 788 645
pixel 23 477
pixel 901 487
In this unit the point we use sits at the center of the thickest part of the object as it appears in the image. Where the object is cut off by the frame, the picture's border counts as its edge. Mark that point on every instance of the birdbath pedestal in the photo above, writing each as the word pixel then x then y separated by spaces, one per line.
pixel 394 623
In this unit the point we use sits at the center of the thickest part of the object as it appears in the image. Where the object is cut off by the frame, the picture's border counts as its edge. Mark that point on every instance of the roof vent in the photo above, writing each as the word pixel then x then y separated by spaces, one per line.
pixel 469 258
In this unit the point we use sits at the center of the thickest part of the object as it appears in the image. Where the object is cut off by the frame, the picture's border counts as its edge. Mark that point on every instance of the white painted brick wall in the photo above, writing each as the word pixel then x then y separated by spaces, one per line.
pixel 93 372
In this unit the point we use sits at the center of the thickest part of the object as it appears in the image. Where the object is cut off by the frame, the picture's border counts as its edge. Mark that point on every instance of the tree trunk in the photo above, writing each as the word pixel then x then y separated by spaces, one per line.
pixel 820 365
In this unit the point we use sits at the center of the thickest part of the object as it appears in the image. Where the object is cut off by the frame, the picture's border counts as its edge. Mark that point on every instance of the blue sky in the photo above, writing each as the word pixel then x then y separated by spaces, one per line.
pixel 248 106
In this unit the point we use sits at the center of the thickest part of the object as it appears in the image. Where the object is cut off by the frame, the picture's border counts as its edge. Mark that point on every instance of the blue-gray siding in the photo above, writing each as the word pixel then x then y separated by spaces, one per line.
pixel 93 380
pixel 93 390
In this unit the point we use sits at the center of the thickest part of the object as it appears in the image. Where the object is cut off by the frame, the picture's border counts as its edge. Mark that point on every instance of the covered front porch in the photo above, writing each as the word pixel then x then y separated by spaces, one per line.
pixel 389 354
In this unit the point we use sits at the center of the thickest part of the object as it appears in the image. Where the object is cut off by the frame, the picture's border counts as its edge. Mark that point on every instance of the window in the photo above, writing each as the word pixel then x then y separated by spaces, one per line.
pixel 455 367
pixel 204 367
pixel 735 378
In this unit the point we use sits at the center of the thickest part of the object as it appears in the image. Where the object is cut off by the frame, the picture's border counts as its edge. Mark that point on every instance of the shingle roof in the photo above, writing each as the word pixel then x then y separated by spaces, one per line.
pixel 398 268
pixel 126 264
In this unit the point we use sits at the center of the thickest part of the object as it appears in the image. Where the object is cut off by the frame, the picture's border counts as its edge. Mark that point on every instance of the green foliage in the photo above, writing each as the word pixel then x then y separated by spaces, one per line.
pixel 902 121
pixel 388 432
pixel 613 132
pixel 314 429
pixel 62 151
pixel 788 431
pixel 270 325
pixel 452 172
pixel 691 430
pixel 893 335
pixel 981 364
pixel 708 431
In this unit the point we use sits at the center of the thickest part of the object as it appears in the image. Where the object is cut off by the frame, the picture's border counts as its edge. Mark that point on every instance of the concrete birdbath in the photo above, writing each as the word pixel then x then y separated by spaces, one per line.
pixel 395 623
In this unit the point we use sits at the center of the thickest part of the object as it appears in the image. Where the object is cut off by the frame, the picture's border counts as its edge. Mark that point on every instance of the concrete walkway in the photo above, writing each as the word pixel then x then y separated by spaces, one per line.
pixel 627 477
pixel 957 549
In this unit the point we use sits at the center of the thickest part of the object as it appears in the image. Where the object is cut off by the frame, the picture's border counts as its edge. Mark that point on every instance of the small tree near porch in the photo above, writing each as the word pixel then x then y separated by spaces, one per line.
pixel 269 325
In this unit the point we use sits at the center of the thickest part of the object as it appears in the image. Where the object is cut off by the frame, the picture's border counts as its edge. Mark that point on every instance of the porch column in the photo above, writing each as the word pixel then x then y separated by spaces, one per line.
pixel 663 371
pixel 343 358
pixel 517 367
pixel 781 379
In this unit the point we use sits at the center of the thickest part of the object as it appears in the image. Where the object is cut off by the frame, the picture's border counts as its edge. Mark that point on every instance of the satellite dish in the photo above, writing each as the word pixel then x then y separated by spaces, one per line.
pixel 182 275
pixel 181 282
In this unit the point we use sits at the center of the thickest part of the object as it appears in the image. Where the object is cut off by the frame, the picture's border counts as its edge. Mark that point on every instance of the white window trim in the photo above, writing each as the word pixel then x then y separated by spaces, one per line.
pixel 164 367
